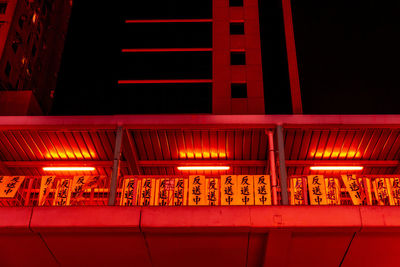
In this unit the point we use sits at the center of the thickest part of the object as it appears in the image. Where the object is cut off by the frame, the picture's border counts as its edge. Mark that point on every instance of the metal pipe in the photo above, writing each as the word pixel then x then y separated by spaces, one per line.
pixel 272 168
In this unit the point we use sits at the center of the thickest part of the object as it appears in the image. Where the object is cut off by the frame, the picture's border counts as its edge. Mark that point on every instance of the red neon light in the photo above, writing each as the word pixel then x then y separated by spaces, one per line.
pixel 203 168
pixel 141 50
pixel 336 168
pixel 69 168
pixel 165 20
pixel 163 81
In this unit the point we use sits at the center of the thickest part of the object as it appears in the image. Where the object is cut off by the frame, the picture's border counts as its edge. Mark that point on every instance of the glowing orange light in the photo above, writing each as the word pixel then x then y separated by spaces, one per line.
pixel 203 168
pixel 336 168
pixel 222 155
pixel 68 168
pixel 34 18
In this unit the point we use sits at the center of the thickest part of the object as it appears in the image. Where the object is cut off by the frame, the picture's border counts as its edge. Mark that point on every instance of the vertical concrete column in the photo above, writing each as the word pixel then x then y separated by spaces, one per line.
pixel 221 95
pixel 115 170
pixel 282 165
pixel 224 74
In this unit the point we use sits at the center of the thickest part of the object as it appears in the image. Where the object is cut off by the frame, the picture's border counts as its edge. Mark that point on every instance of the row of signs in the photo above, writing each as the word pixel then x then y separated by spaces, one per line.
pixel 66 191
pixel 319 190
pixel 198 190
pixel 228 190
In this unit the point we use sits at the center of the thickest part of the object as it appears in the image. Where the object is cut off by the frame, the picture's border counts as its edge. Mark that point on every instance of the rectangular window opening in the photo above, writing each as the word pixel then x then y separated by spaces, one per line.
pixel 238 58
pixel 3 7
pixel 8 69
pixel 239 90
pixel 234 3
pixel 236 28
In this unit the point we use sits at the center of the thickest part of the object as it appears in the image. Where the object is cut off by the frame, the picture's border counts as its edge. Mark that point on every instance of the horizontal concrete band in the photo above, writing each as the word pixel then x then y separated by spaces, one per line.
pixel 199 219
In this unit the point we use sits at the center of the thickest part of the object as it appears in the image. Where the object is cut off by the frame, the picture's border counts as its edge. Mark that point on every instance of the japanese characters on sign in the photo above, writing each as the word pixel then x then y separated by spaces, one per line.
pixel 82 183
pixel 262 190
pixel 180 192
pixel 63 193
pixel 212 185
pixel 395 185
pixel 147 192
pixel 129 192
pixel 297 189
pixel 46 185
pixel 382 191
pixel 9 185
pixel 165 192
pixel 246 189
pixel 229 190
pixel 316 189
pixel 197 190
pixel 353 187
pixel 332 191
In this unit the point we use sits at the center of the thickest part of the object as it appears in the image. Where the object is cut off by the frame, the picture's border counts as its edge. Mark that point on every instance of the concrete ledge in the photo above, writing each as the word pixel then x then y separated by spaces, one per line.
pixel 195 219
pixel 380 219
pixel 200 219
pixel 15 220
pixel 100 218
pixel 305 218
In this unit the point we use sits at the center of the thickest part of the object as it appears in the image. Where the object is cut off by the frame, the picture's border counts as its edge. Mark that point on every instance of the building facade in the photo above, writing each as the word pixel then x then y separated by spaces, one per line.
pixel 31 44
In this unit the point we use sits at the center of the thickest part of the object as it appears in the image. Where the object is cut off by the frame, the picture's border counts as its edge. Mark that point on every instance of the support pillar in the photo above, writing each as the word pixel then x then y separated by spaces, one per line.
pixel 115 170
pixel 282 165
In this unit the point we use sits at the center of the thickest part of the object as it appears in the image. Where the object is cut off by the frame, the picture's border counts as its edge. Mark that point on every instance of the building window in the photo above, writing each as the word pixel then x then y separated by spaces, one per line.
pixel 14 46
pixel 237 28
pixel 238 58
pixel 7 71
pixel 235 2
pixel 239 90
pixel 21 21
pixel 3 7
pixel 17 41
pixel 33 50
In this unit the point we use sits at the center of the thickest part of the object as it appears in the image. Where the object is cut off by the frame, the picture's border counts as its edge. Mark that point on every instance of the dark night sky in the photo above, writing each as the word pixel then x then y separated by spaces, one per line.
pixel 347 54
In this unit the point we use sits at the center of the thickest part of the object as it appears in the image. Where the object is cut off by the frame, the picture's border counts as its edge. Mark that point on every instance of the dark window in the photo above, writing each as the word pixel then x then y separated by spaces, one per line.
pixel 21 21
pixel 33 50
pixel 14 46
pixel 237 28
pixel 238 58
pixel 239 90
pixel 3 7
pixel 8 69
pixel 235 2
pixel 16 42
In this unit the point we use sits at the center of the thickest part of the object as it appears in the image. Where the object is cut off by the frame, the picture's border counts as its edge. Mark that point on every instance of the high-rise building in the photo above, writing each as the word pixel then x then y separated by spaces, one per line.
pixel 32 36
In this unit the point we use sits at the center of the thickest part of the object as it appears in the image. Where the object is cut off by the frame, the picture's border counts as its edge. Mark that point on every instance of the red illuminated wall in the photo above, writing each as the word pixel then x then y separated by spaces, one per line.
pixel 223 72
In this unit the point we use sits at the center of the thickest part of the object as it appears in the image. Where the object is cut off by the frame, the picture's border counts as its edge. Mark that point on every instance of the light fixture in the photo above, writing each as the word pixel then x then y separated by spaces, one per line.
pixel 336 168
pixel 68 168
pixel 203 168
